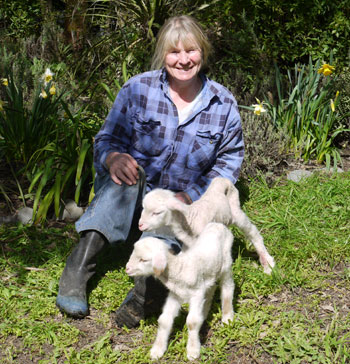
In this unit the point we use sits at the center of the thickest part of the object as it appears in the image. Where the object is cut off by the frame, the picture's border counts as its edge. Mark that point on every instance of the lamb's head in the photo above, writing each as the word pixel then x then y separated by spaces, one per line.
pixel 148 258
pixel 155 213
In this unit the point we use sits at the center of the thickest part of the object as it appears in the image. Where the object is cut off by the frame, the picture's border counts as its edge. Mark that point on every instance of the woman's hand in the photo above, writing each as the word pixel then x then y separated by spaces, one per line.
pixel 184 197
pixel 122 168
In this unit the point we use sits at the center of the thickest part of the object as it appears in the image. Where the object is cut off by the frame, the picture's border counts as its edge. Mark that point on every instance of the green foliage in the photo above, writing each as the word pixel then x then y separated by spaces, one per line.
pixel 20 18
pixel 68 165
pixel 26 128
pixel 53 144
pixel 292 30
pixel 308 112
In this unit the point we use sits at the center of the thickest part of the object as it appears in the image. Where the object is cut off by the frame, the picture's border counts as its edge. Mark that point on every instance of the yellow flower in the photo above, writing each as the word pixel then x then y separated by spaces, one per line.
pixel 43 94
pixel 259 108
pixel 332 105
pixel 337 94
pixel 52 90
pixel 5 81
pixel 326 69
pixel 47 77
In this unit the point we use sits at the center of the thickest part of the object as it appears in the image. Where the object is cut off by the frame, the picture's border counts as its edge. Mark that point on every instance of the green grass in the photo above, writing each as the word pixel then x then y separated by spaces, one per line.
pixel 299 314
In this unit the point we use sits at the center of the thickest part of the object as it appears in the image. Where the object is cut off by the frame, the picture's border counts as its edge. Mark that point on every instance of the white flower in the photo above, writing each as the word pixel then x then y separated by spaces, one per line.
pixel 259 108
pixel 47 77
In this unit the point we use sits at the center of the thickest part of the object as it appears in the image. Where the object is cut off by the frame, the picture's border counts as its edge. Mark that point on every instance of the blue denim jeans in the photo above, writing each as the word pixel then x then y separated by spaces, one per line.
pixel 115 210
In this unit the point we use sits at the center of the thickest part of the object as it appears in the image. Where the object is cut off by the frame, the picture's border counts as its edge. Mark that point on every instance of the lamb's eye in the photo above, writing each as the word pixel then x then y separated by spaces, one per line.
pixel 143 260
pixel 157 213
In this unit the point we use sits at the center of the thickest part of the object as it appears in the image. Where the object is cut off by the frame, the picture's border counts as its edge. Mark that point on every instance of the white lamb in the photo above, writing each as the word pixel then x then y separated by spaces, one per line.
pixel 220 203
pixel 191 278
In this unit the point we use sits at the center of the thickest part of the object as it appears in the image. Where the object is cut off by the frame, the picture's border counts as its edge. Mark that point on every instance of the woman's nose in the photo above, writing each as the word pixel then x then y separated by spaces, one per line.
pixel 183 57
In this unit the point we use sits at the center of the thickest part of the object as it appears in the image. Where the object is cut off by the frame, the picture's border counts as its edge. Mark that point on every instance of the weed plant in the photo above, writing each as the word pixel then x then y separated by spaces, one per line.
pixel 299 314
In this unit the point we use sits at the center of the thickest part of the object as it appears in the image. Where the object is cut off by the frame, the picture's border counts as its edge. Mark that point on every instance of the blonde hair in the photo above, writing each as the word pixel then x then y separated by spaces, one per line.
pixel 182 28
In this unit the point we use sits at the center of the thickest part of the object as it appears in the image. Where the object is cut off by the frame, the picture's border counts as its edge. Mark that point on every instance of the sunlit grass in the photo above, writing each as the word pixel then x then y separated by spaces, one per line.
pixel 299 314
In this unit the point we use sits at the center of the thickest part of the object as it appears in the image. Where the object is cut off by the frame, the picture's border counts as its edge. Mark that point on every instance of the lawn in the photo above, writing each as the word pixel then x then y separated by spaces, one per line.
pixel 299 314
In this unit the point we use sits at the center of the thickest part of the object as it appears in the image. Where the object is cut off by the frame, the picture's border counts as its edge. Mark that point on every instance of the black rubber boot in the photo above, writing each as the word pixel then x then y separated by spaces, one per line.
pixel 144 300
pixel 71 298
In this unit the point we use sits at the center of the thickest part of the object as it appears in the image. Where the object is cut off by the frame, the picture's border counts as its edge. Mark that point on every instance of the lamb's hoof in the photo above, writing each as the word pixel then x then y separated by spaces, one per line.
pixel 227 318
pixel 193 355
pixel 269 265
pixel 156 353
pixel 193 351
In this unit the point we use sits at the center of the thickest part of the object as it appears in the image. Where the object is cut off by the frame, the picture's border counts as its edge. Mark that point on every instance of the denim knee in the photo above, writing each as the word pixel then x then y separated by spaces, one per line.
pixel 112 210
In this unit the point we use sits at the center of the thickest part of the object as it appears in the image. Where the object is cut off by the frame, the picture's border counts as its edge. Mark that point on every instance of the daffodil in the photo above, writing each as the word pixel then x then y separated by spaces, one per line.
pixel 47 77
pixel 326 69
pixel 52 90
pixel 43 94
pixel 5 81
pixel 259 108
pixel 332 105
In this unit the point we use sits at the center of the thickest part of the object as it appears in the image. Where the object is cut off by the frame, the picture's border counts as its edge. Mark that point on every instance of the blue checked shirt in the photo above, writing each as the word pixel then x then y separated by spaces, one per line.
pixel 143 122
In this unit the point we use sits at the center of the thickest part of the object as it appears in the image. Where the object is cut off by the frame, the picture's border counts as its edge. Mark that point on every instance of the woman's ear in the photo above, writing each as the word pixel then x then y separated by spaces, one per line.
pixel 159 263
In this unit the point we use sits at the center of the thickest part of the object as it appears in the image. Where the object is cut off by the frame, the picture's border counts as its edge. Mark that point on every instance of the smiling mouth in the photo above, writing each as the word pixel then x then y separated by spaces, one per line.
pixel 184 69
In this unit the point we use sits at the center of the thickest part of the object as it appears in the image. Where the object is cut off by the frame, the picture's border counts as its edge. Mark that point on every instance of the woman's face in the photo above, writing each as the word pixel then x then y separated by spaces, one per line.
pixel 183 63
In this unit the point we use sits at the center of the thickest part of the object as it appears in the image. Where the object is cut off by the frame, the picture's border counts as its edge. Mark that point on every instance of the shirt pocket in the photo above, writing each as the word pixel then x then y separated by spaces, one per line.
pixel 204 150
pixel 147 136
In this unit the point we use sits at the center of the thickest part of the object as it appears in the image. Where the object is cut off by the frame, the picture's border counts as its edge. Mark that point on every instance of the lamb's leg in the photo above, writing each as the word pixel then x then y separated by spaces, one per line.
pixel 194 322
pixel 208 301
pixel 241 220
pixel 227 290
pixel 165 323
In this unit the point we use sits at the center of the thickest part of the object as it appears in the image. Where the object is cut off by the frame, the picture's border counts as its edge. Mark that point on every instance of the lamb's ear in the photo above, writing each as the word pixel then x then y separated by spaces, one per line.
pixel 159 263
pixel 175 204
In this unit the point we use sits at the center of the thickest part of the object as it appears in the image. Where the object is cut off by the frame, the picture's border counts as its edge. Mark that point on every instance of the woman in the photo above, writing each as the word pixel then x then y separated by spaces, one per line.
pixel 170 128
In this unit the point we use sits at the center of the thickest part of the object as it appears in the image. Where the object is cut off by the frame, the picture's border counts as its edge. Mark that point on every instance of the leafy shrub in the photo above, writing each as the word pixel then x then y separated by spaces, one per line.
pixel 265 147
pixel 20 18
pixel 343 85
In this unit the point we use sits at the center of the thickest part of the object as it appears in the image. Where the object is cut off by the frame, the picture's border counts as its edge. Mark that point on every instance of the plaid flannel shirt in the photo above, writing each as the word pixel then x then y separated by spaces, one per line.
pixel 144 123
